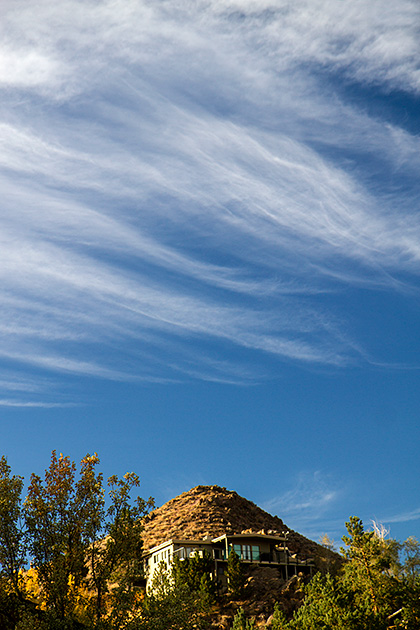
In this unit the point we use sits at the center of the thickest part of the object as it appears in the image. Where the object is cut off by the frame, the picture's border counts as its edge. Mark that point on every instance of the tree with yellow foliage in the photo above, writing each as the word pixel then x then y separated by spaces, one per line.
pixel 83 553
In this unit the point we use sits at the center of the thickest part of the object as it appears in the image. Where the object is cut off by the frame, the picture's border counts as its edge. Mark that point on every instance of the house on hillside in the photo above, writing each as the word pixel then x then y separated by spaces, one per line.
pixel 253 548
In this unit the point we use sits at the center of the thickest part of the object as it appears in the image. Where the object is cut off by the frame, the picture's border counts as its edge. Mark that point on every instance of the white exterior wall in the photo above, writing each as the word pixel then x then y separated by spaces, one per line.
pixel 163 554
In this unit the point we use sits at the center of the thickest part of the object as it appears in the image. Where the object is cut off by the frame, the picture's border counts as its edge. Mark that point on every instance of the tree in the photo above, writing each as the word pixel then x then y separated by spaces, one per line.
pixel 278 620
pixel 12 548
pixel 410 552
pixel 235 575
pixel 407 614
pixel 172 604
pixel 377 588
pixel 55 520
pixel 78 546
pixel 369 571
pixel 330 561
pixel 328 605
pixel 115 549
pixel 240 621
pixel 14 604
pixel 195 573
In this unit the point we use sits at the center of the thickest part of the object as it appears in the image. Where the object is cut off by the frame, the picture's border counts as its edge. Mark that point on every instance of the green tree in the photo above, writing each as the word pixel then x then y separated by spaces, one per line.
pixel 410 552
pixel 195 573
pixel 241 622
pixel 12 547
pixel 235 575
pixel 278 621
pixel 172 604
pixel 370 570
pixel 78 546
pixel 377 588
pixel 115 550
pixel 407 615
pixel 55 521
pixel 328 605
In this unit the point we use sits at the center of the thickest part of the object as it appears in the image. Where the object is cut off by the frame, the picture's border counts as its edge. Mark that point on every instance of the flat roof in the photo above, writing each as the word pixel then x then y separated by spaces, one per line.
pixel 179 541
pixel 189 541
pixel 255 535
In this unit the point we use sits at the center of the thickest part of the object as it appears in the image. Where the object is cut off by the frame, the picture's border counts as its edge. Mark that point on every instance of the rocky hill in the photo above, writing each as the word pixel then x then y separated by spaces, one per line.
pixel 213 511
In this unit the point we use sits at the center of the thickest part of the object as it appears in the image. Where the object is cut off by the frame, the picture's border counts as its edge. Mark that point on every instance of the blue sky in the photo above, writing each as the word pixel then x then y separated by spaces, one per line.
pixel 210 249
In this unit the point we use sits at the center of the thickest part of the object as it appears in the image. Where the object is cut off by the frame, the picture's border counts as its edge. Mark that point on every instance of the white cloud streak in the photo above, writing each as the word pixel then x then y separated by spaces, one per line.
pixel 310 505
pixel 403 517
pixel 180 172
pixel 312 493
pixel 32 404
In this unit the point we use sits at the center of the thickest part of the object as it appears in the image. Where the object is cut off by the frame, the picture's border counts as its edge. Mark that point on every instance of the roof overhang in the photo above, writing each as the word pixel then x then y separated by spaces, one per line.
pixel 187 542
pixel 271 537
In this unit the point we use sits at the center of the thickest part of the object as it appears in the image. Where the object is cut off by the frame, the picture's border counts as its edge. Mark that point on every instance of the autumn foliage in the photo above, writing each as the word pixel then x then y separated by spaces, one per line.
pixel 81 541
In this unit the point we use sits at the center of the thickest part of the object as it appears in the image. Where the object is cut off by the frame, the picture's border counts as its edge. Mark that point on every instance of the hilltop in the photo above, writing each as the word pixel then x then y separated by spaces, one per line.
pixel 212 511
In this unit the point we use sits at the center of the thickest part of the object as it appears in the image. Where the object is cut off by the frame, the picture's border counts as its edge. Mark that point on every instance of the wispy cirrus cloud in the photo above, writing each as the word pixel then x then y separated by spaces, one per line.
pixel 312 491
pixel 33 404
pixel 402 517
pixel 179 182
pixel 309 505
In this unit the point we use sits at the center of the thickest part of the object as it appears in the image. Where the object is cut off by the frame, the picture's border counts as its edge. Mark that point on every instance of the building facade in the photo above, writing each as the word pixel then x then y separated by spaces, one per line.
pixel 262 549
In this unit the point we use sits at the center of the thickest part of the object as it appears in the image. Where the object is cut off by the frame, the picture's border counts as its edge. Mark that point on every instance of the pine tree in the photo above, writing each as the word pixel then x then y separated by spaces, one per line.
pixel 278 621
pixel 241 622
pixel 235 575
pixel 368 572
pixel 328 605
pixel 172 604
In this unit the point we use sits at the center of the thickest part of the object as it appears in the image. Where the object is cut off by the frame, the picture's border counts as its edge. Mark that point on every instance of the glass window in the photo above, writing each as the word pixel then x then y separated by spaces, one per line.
pixel 246 552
